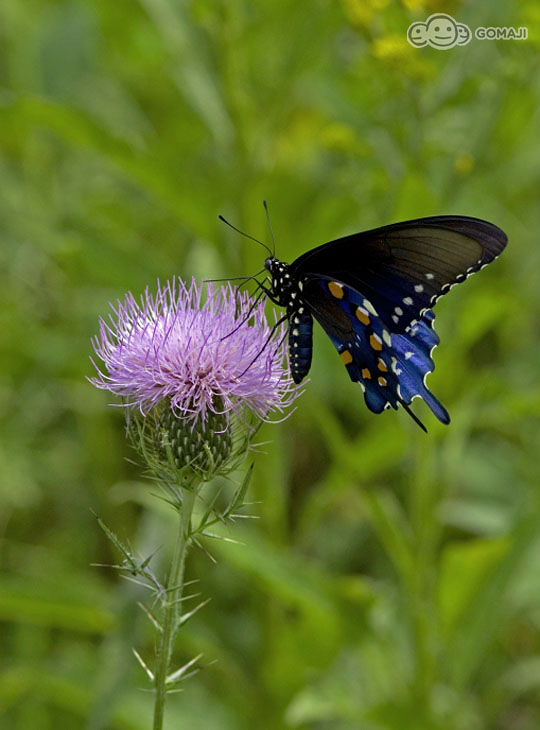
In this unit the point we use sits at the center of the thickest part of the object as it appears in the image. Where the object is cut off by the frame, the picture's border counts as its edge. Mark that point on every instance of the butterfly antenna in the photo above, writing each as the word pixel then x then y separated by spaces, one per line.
pixel 246 235
pixel 270 227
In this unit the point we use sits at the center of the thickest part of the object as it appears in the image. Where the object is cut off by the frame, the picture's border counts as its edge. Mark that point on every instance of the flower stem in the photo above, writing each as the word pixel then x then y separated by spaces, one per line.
pixel 172 610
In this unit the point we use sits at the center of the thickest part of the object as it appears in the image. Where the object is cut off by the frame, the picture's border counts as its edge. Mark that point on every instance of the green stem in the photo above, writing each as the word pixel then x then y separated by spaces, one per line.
pixel 172 610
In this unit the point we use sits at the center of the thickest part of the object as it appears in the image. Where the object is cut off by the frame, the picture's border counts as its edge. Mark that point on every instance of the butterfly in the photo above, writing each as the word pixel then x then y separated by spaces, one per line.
pixel 373 293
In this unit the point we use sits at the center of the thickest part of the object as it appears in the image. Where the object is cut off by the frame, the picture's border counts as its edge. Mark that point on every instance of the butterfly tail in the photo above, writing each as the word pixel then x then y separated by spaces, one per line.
pixel 413 416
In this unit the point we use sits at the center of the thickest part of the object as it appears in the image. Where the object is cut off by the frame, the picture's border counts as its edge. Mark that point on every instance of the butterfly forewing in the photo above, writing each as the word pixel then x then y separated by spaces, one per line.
pixel 405 267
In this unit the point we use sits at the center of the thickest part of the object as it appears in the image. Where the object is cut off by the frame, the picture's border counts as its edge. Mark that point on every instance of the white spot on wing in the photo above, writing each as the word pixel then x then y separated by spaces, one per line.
pixel 370 308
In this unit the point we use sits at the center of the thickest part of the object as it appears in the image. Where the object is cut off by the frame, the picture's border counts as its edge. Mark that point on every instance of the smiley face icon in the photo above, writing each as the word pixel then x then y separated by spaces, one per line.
pixel 439 31
pixel 464 34
pixel 416 35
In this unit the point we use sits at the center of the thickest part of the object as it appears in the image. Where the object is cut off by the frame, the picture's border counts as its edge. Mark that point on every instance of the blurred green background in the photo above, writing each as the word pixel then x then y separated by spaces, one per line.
pixel 392 581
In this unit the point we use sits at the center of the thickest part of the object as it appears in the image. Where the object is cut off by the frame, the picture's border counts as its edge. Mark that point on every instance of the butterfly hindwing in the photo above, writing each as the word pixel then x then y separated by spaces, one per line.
pixel 388 375
pixel 414 362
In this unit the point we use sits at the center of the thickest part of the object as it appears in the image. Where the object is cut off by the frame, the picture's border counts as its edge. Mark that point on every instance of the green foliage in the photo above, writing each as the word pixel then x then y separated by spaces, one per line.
pixel 392 581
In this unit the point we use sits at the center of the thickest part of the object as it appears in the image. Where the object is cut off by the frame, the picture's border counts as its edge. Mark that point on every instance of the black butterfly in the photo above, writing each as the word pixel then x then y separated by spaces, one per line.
pixel 373 292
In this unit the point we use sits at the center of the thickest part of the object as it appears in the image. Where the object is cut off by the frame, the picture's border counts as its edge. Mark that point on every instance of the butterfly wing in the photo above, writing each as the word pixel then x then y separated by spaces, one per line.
pixel 413 352
pixel 390 368
pixel 402 269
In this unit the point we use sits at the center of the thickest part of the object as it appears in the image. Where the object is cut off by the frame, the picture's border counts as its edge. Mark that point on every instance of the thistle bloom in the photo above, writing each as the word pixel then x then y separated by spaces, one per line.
pixel 205 358
pixel 198 369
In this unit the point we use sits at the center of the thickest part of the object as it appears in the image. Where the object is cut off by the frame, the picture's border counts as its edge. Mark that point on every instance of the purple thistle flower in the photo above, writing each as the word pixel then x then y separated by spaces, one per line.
pixel 196 352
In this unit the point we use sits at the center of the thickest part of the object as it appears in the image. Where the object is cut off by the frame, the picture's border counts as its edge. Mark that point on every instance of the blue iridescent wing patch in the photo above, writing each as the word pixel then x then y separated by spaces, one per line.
pixel 390 368
pixel 413 353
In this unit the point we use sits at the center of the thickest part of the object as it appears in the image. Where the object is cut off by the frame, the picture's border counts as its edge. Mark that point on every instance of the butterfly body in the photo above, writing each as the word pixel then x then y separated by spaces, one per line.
pixel 287 292
pixel 373 293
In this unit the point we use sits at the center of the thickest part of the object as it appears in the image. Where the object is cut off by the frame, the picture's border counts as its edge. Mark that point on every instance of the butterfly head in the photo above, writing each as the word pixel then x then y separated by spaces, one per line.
pixel 281 282
pixel 272 264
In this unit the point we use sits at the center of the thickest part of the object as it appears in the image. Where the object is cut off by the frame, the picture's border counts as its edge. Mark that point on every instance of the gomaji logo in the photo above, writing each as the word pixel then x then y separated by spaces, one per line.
pixel 441 31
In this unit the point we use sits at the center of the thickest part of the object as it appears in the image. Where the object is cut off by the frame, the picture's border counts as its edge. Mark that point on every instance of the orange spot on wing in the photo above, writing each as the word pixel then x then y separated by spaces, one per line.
pixel 336 290
pixel 346 357
pixel 362 315
pixel 375 342
pixel 382 381
pixel 382 365
pixel 366 374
